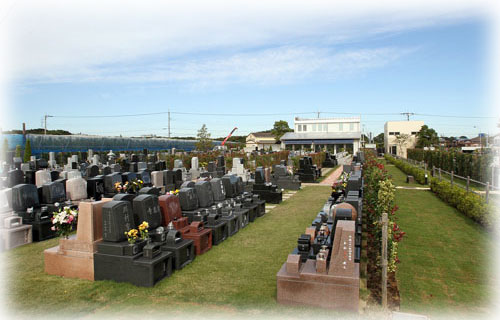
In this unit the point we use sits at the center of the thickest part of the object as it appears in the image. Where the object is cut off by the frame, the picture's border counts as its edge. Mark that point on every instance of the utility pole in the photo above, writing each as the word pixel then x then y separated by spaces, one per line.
pixel 169 123
pixel 407 114
pixel 318 113
pixel 45 123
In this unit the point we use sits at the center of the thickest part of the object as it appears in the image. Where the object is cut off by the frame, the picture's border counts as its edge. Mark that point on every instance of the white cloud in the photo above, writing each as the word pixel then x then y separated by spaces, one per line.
pixel 206 41
pixel 263 67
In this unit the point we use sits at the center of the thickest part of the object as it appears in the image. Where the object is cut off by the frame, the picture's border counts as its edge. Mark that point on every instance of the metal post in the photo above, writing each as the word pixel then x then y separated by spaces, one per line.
pixel 468 182
pixel 452 178
pixel 384 260
pixel 487 191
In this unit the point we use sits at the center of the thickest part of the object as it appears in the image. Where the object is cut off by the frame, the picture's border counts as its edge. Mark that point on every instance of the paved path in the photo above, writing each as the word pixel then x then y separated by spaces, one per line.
pixel 412 188
pixel 332 177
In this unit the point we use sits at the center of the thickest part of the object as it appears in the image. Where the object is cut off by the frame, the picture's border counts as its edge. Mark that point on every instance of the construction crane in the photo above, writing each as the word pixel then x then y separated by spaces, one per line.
pixel 235 128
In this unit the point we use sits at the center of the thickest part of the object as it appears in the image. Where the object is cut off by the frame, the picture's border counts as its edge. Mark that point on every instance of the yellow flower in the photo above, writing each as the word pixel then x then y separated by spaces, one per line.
pixel 144 225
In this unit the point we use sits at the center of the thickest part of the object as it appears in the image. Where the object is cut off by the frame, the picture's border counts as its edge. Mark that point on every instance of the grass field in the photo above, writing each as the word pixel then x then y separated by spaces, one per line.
pixel 237 276
pixel 445 256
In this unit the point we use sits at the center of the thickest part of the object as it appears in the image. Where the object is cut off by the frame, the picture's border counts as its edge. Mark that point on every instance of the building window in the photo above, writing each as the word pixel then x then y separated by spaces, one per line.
pixel 391 133
pixel 304 127
pixel 299 127
pixel 414 133
pixel 397 133
pixel 341 127
pixel 314 127
pixel 351 126
pixel 325 127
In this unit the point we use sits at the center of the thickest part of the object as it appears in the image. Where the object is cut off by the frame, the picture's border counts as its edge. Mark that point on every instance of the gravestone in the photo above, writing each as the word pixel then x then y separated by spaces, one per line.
pixel 195 170
pixel 74 257
pixel 42 177
pixel 146 208
pixel 219 194
pixel 92 171
pixel 95 187
pixel 337 288
pixel 14 177
pixel 204 193
pixel 157 179
pixel 76 189
pixel 266 191
pixel 109 182
pixel 52 160
pixel 53 192
pixel 283 179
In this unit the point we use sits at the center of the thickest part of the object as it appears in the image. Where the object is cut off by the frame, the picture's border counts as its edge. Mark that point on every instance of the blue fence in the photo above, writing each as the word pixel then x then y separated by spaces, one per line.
pixel 75 143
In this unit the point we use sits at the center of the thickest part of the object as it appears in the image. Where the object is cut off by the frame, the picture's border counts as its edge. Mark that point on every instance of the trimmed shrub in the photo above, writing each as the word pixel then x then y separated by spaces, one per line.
pixel 417 173
pixel 468 203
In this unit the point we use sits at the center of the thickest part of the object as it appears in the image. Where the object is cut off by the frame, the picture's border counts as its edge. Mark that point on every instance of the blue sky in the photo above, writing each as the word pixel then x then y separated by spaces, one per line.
pixel 129 58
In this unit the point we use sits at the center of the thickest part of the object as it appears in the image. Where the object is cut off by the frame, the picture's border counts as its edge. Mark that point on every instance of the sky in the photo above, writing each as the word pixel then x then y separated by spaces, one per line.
pixel 94 66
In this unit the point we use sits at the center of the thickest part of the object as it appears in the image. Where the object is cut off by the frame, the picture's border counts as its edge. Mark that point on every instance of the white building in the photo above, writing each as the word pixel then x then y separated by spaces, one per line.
pixel 396 128
pixel 333 134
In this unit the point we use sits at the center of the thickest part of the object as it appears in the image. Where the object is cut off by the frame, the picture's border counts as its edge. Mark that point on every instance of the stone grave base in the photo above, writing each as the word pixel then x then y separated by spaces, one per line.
pixel 69 260
pixel 311 288
pixel 15 237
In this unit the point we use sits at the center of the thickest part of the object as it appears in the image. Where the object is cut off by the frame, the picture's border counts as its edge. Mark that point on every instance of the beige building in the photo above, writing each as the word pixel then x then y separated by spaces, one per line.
pixel 261 140
pixel 396 128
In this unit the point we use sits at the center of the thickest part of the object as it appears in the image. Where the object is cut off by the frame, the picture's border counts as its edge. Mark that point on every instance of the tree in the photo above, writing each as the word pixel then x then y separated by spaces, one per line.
pixel 204 142
pixel 401 141
pixel 379 140
pixel 427 137
pixel 27 151
pixel 279 129
pixel 18 151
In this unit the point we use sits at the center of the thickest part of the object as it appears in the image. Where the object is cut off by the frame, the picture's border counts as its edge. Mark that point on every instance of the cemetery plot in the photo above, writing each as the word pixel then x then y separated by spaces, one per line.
pixel 253 254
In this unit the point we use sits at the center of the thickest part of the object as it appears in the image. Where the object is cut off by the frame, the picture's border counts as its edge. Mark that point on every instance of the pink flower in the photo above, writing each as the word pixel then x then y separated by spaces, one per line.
pixel 53 228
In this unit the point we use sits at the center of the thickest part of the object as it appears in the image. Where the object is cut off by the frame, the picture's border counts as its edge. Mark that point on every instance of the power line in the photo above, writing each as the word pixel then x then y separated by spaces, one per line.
pixel 451 116
pixel 273 114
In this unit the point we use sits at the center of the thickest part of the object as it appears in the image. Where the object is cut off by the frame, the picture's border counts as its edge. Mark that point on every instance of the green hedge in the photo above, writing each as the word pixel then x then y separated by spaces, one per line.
pixel 468 203
pixel 417 173
pixel 476 166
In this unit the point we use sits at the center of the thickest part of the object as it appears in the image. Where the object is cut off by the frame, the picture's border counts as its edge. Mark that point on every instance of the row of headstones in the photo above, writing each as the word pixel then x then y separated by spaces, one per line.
pixel 328 252
pixel 154 255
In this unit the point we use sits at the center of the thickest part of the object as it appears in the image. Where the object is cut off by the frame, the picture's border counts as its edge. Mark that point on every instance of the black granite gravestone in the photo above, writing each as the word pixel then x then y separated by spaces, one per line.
pixel 204 193
pixel 109 182
pixel 14 177
pixel 53 192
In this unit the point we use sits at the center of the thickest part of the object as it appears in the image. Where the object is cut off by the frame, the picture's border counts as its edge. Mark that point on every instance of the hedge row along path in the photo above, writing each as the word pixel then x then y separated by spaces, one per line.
pixel 445 256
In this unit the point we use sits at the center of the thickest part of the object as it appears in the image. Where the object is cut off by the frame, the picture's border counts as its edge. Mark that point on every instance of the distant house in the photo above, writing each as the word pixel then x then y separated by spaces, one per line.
pixel 392 129
pixel 261 140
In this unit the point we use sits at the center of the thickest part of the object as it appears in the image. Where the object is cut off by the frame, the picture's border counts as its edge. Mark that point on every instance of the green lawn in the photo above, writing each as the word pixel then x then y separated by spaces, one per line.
pixel 445 256
pixel 236 276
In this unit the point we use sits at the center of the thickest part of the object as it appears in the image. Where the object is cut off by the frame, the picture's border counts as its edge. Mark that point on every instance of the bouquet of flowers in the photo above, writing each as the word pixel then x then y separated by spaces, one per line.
pixel 121 188
pixel 64 220
pixel 143 229
pixel 175 193
pixel 132 186
pixel 131 235
pixel 136 185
